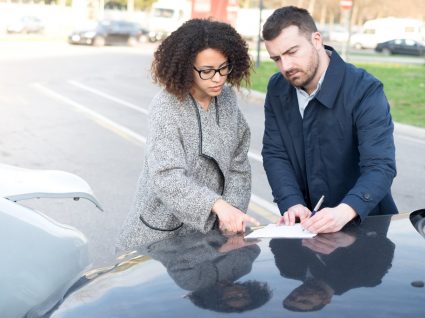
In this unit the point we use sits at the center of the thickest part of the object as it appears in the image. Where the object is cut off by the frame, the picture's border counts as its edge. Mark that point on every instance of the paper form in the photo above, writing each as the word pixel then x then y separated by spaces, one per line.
pixel 283 231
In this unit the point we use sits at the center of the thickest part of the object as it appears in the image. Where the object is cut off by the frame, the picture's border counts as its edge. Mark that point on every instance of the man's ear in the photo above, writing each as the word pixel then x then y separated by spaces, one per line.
pixel 316 39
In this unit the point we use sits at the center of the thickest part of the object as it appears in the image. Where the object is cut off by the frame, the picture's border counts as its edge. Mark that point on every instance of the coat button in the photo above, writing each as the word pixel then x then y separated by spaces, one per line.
pixel 366 196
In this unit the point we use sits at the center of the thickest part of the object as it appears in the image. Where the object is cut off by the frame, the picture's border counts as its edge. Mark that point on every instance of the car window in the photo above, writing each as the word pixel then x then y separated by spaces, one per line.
pixel 105 23
pixel 370 31
pixel 410 42
pixel 398 42
pixel 125 26
pixel 163 13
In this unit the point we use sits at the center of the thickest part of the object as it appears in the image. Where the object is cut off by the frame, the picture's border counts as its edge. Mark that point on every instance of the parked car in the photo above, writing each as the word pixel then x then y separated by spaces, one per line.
pixel 109 32
pixel 384 29
pixel 373 269
pixel 401 46
pixel 41 258
pixel 26 24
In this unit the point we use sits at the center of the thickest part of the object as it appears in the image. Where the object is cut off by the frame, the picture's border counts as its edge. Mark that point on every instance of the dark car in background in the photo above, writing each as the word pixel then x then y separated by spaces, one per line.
pixel 25 24
pixel 109 32
pixel 401 46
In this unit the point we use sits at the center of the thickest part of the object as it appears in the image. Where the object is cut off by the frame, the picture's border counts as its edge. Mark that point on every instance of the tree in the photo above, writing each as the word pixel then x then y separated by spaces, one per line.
pixel 138 4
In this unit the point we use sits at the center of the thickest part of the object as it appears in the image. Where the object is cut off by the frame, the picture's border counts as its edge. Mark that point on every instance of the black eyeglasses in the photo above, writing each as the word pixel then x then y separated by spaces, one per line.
pixel 209 73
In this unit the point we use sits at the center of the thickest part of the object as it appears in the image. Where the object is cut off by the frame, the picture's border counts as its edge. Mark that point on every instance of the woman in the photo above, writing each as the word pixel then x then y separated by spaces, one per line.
pixel 196 172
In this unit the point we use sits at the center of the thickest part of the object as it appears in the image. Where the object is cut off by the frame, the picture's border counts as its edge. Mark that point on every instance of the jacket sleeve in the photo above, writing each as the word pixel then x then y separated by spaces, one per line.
pixel 237 191
pixel 276 162
pixel 376 148
pixel 171 181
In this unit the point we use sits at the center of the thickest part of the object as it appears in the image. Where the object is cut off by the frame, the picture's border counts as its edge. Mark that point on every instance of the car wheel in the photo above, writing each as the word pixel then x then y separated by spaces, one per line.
pixel 132 41
pixel 386 51
pixel 98 41
pixel 358 46
pixel 143 39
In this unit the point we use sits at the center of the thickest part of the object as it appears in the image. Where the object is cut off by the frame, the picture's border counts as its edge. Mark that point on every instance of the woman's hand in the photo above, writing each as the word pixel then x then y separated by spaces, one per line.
pixel 235 242
pixel 230 218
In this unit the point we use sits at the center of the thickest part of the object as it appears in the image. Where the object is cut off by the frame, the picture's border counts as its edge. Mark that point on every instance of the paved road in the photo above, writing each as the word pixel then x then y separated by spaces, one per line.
pixel 84 110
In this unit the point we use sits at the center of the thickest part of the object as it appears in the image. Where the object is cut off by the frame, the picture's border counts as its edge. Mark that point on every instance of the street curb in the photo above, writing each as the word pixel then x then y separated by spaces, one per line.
pixel 252 95
pixel 399 128
pixel 410 131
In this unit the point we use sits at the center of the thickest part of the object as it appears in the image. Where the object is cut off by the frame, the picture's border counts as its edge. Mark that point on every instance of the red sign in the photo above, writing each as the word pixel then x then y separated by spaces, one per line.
pixel 346 4
pixel 219 10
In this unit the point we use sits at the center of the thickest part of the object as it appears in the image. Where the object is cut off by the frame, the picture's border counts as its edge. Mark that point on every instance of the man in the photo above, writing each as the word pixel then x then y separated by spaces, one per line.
pixel 328 130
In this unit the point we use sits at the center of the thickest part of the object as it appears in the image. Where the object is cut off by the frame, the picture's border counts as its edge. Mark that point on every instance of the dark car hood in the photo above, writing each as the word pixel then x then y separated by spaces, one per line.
pixel 375 269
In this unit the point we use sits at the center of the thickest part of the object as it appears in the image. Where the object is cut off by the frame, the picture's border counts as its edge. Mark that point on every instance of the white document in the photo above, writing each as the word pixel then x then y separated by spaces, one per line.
pixel 283 231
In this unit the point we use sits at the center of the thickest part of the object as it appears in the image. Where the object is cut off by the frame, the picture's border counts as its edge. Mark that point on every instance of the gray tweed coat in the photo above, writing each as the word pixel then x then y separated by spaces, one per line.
pixel 194 261
pixel 193 158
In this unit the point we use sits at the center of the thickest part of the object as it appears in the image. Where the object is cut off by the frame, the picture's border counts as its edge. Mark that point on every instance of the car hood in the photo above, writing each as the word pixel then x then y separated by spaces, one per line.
pixel 374 269
pixel 21 184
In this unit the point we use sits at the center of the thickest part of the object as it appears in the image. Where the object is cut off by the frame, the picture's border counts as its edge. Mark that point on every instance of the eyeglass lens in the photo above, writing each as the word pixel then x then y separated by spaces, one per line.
pixel 210 73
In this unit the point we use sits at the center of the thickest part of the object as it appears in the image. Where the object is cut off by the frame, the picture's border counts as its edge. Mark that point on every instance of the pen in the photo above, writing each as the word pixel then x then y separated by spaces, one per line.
pixel 317 207
pixel 253 228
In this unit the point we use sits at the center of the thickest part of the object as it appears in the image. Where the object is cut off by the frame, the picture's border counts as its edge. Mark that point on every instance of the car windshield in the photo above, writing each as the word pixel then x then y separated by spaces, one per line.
pixel 88 25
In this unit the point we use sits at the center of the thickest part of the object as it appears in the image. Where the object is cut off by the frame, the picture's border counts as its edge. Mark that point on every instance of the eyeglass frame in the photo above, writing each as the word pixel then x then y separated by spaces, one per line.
pixel 216 70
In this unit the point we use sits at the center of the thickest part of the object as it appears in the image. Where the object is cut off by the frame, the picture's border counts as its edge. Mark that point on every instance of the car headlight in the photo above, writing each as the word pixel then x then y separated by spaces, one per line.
pixel 75 37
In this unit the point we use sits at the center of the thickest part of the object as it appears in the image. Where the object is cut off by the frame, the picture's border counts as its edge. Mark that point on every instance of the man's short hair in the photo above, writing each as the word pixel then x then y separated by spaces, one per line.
pixel 285 17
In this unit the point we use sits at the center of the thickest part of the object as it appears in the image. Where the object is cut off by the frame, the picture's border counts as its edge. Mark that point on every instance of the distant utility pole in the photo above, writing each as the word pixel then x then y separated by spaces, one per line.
pixel 130 6
pixel 260 8
pixel 347 9
pixel 101 14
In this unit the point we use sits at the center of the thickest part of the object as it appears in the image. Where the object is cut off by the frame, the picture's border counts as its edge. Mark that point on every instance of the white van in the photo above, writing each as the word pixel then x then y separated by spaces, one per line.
pixel 166 16
pixel 384 29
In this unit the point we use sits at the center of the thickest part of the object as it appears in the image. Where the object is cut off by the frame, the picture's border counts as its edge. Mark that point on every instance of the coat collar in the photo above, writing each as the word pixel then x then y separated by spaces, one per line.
pixel 211 146
pixel 331 85
pixel 333 80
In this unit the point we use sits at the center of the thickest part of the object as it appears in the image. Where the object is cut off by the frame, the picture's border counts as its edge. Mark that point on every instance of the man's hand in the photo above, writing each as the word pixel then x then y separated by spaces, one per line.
pixel 329 220
pixel 231 219
pixel 327 243
pixel 295 211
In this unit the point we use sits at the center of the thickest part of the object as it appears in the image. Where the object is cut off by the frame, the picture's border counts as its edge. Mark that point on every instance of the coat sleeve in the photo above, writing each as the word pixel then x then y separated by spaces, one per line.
pixel 276 162
pixel 376 148
pixel 237 191
pixel 171 182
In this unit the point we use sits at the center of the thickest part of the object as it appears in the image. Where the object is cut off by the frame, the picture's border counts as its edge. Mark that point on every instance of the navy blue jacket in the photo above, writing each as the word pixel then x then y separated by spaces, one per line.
pixel 343 148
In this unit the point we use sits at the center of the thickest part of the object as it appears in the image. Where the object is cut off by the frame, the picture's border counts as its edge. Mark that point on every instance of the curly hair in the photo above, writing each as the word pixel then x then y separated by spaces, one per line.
pixel 214 297
pixel 173 60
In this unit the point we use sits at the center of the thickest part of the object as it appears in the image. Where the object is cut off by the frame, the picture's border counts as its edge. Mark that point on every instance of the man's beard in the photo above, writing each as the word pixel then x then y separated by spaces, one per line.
pixel 304 76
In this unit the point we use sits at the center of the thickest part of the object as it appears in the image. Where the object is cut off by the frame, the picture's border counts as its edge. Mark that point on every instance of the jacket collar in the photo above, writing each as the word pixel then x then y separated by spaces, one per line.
pixel 331 85
pixel 333 80
pixel 211 146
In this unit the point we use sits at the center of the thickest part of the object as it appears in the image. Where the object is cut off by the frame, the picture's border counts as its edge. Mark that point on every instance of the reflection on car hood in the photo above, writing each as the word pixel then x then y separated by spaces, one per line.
pixel 20 184
pixel 41 259
pixel 370 270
